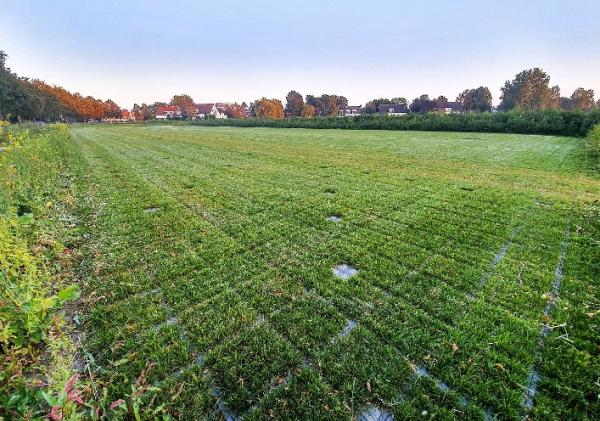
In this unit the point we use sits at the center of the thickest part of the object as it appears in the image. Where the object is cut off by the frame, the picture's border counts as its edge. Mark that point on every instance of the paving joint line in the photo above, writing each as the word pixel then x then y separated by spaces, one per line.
pixel 534 377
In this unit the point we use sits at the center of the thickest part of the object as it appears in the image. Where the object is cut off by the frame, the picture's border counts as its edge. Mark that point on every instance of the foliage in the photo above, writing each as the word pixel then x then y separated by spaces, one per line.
pixel 269 108
pixel 327 105
pixel 422 104
pixel 550 122
pixel 372 106
pixel 30 171
pixel 295 104
pixel 25 99
pixel 582 99
pixel 593 144
pixel 235 111
pixel 185 103
pixel 530 90
pixel 308 111
pixel 479 99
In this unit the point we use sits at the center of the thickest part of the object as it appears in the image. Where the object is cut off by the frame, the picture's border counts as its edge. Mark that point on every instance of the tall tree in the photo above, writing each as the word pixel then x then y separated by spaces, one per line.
pixel 422 104
pixel 3 57
pixel 399 101
pixel 269 108
pixel 314 102
pixel 182 101
pixel 328 106
pixel 582 99
pixel 295 104
pixel 440 102
pixel 308 111
pixel 235 111
pixel 530 90
pixel 341 101
pixel 479 99
pixel 112 110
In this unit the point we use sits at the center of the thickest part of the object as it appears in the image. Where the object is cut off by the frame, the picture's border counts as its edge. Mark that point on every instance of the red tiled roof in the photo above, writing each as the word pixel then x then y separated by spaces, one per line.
pixel 167 108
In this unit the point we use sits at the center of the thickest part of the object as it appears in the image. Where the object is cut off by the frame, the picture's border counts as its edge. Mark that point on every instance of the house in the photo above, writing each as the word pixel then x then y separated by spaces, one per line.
pixel 211 110
pixel 451 107
pixel 392 109
pixel 350 111
pixel 170 112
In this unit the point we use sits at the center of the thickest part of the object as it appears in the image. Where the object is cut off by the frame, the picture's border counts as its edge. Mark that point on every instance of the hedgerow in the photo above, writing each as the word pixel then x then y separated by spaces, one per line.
pixel 547 122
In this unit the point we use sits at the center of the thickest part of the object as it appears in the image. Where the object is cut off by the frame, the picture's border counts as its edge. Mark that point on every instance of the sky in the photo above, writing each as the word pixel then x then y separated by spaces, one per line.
pixel 135 51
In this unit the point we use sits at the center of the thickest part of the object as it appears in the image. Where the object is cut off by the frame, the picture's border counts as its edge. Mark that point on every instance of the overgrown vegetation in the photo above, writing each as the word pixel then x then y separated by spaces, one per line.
pixel 593 143
pixel 547 122
pixel 33 259
pixel 211 253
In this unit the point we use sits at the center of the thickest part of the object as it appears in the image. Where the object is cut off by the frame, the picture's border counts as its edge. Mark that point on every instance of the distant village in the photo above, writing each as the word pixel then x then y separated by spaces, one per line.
pixel 229 110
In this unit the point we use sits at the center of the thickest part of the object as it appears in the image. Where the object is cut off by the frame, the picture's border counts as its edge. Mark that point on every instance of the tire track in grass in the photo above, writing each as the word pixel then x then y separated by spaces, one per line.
pixel 534 377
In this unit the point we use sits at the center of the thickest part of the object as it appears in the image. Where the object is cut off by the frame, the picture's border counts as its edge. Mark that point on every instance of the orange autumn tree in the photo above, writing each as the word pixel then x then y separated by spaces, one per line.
pixel 74 104
pixel 269 108
pixel 235 111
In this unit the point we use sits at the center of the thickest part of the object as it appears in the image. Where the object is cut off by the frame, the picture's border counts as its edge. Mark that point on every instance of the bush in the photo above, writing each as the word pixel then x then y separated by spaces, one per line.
pixel 593 144
pixel 547 122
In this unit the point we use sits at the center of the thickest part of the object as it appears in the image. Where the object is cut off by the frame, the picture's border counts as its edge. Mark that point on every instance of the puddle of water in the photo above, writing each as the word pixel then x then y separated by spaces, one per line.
pixel 335 218
pixel 151 210
pixel 344 271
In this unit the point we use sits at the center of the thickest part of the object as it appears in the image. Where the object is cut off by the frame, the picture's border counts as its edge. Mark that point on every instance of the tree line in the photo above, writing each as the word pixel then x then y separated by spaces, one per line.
pixel 32 99
pixel 22 98
pixel 530 90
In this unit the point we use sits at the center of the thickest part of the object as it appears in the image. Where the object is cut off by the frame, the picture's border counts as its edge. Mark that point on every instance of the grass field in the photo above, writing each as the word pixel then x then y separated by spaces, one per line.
pixel 210 256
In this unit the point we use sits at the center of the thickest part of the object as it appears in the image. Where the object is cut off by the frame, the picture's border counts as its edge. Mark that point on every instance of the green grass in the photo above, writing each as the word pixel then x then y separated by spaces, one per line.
pixel 227 287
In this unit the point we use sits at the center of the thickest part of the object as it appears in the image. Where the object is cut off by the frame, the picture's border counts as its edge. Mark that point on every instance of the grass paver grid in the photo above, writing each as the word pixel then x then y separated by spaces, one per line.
pixel 267 284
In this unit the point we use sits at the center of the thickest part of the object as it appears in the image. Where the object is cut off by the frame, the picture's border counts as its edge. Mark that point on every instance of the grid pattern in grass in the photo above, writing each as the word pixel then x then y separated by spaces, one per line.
pixel 227 284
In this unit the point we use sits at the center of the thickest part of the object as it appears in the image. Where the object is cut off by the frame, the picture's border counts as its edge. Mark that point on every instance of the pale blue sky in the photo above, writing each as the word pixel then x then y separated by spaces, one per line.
pixel 142 51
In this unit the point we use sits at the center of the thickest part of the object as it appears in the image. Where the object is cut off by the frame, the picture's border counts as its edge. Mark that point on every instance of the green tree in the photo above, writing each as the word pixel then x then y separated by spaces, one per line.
pixel 530 90
pixel 3 57
pixel 479 99
pixel 422 104
pixel 399 101
pixel 582 99
pixel 372 106
pixel 112 109
pixel 295 104
pixel 440 102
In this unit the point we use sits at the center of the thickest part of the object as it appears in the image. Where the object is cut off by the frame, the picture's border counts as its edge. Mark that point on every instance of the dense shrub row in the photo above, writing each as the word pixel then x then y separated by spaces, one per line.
pixel 547 122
